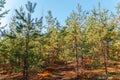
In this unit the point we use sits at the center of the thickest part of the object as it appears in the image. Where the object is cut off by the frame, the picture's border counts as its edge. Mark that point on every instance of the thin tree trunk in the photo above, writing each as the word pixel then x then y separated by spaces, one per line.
pixel 105 59
pixel 76 56
pixel 105 64
pixel 103 45
pixel 25 68
pixel 82 64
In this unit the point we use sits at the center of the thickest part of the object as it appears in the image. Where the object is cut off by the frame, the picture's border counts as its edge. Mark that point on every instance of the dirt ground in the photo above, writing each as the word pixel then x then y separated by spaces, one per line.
pixel 66 72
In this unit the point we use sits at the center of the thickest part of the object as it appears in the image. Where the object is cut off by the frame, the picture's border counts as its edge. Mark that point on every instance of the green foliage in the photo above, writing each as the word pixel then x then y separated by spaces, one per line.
pixel 2 13
pixel 2 3
pixel 90 34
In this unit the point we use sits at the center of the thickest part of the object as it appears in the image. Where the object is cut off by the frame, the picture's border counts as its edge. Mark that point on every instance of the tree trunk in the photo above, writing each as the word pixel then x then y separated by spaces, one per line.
pixel 105 58
pixel 82 64
pixel 25 68
pixel 76 56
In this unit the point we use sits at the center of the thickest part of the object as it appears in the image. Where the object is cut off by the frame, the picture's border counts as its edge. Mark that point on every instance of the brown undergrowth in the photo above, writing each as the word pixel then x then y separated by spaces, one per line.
pixel 67 72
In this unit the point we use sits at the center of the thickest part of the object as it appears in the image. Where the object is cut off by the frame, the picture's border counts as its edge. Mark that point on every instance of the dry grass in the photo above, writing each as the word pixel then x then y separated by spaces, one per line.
pixel 67 72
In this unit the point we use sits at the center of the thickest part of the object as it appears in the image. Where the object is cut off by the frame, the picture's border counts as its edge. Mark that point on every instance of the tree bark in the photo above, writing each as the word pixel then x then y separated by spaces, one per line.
pixel 25 68
pixel 76 56
pixel 105 58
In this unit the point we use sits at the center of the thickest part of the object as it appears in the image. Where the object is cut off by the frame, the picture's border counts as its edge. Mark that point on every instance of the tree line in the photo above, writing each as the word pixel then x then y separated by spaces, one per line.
pixel 29 44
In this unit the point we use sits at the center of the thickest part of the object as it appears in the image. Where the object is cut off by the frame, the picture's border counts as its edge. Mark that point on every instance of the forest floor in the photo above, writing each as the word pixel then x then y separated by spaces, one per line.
pixel 67 72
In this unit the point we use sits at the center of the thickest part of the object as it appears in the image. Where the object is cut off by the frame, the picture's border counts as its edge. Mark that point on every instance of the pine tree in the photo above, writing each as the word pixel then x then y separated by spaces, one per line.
pixel 74 25
pixel 101 27
pixel 53 37
pixel 2 3
pixel 2 33
pixel 26 26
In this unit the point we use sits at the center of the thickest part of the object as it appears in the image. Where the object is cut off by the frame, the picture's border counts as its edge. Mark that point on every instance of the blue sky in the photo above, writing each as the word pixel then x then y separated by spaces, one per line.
pixel 60 8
